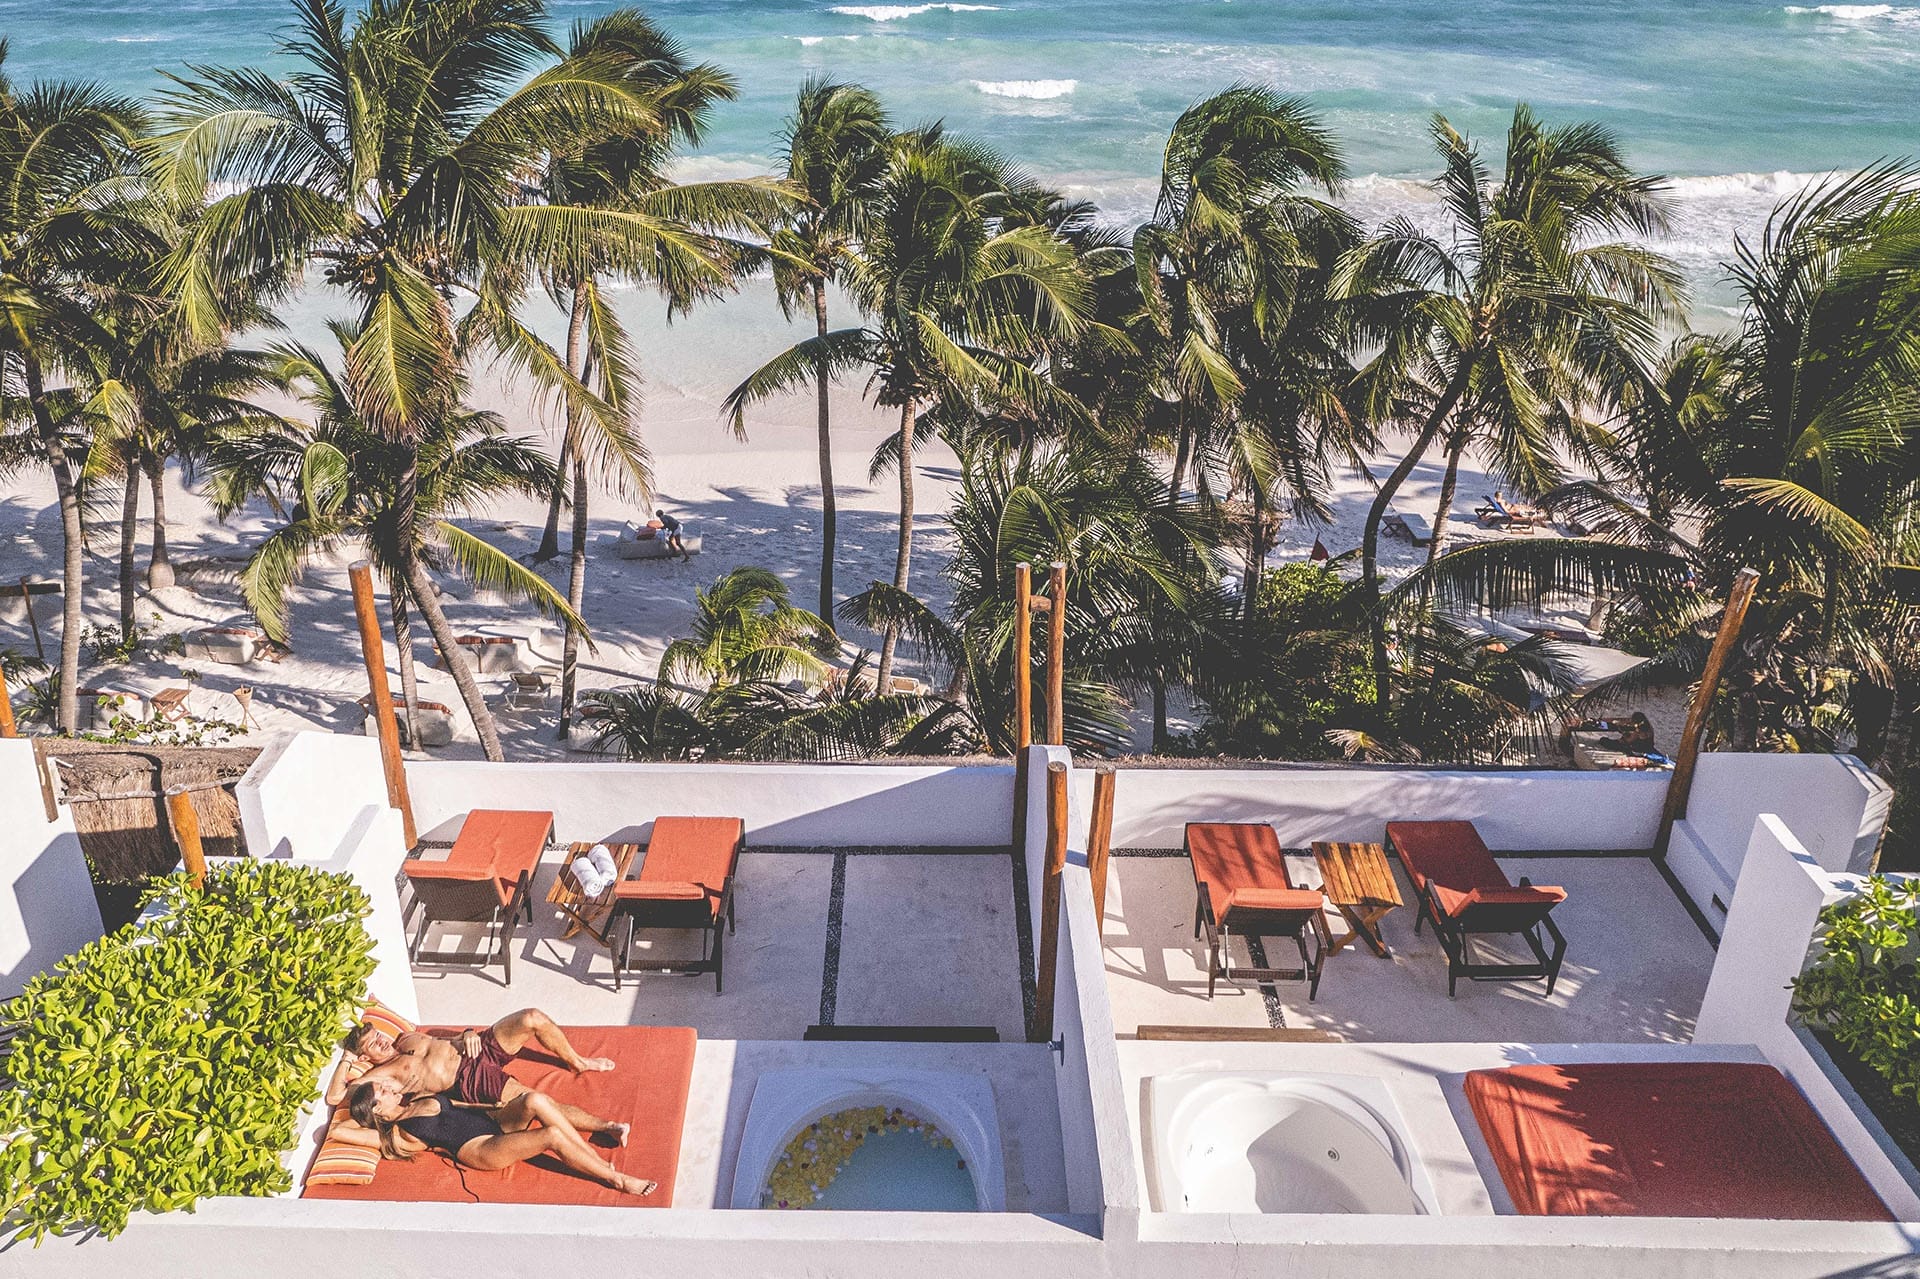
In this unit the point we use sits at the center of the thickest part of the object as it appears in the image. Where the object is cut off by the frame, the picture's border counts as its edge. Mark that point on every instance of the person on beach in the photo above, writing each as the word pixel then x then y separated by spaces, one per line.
pixel 469 1066
pixel 675 545
pixel 402 1126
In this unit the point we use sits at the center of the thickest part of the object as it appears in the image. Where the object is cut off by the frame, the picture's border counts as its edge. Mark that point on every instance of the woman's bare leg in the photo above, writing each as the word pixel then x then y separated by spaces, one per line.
pixel 515 1029
pixel 517 1114
pixel 490 1154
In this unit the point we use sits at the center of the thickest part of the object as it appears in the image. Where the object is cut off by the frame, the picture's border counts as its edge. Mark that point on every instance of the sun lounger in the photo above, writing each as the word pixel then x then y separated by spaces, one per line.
pixel 1503 515
pixel 486 878
pixel 1241 886
pixel 686 882
pixel 648 542
pixel 228 645
pixel 1415 526
pixel 490 654
pixel 436 719
pixel 1463 891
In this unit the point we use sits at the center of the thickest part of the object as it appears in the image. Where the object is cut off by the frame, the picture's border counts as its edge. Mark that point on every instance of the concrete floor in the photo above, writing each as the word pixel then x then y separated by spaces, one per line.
pixel 1636 967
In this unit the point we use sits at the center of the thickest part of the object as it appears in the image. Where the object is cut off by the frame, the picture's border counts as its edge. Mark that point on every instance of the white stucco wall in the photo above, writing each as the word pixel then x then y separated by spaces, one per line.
pixel 304 794
pixel 1775 910
pixel 814 805
pixel 47 908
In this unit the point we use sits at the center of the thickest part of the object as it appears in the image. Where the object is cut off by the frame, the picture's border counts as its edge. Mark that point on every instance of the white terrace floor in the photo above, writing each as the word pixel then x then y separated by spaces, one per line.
pixel 1636 966
pixel 868 937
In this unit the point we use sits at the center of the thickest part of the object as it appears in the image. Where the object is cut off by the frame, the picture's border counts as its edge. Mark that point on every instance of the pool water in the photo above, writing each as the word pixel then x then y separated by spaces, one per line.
pixel 872 1160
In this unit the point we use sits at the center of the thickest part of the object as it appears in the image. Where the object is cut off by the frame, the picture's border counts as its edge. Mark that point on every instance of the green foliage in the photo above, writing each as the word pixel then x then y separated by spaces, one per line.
pixel 171 1060
pixel 187 730
pixel 1863 985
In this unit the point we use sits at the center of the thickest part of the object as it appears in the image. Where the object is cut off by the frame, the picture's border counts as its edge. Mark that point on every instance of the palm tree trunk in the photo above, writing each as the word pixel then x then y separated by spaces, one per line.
pixel 550 536
pixel 1159 686
pixel 421 587
pixel 577 364
pixel 403 654
pixel 73 568
pixel 883 676
pixel 1256 555
pixel 1182 453
pixel 129 526
pixel 1444 512
pixel 829 511
pixel 1370 542
pixel 159 567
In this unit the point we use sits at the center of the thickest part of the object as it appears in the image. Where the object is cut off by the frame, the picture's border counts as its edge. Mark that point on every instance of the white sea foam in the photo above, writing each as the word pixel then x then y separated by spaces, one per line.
pixel 138 39
pixel 1037 89
pixel 809 41
pixel 895 12
pixel 1857 12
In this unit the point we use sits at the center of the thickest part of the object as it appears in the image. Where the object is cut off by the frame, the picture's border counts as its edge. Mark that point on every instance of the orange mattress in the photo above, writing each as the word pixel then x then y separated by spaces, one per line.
pixel 648 1089
pixel 1665 1139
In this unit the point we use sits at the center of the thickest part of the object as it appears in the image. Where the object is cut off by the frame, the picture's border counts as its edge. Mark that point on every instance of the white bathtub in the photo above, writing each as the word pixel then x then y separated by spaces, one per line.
pixel 785 1101
pixel 1273 1142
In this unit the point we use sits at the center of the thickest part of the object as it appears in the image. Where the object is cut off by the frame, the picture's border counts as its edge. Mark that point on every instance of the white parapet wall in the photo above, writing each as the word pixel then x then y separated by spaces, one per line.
pixel 792 805
pixel 303 796
pixel 47 907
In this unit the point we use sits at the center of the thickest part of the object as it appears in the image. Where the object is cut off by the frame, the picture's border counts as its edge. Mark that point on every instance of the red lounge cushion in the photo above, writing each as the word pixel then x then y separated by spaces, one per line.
pixel 1534 895
pixel 1274 899
pixel 508 841
pixel 696 850
pixel 647 1087
pixel 635 890
pixel 1229 857
pixel 1450 854
pixel 1665 1139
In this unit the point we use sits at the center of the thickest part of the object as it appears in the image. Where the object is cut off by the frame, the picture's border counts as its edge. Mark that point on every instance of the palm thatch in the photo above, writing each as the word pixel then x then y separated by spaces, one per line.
pixel 117 798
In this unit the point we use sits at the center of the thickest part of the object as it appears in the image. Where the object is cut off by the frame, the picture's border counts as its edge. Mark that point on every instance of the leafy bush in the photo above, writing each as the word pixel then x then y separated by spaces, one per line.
pixel 1863 985
pixel 171 1060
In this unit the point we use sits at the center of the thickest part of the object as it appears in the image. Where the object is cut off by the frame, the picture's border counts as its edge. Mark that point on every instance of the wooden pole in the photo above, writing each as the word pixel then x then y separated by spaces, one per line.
pixel 186 835
pixel 1057 655
pixel 7 726
pixel 1022 656
pixel 26 597
pixel 1688 755
pixel 1042 1030
pixel 1100 843
pixel 372 650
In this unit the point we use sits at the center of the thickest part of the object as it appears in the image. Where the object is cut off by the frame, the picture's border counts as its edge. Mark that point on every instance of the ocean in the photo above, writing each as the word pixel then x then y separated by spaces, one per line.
pixel 1741 101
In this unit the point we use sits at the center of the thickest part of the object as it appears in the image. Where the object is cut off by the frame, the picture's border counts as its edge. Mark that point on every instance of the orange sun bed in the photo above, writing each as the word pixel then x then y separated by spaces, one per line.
pixel 648 1089
pixel 1665 1139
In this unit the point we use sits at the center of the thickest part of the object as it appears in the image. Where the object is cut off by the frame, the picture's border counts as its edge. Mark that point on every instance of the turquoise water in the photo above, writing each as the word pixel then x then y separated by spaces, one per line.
pixel 899 1171
pixel 1740 99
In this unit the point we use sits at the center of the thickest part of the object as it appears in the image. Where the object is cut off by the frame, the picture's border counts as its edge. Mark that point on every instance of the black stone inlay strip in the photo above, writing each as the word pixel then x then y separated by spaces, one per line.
pixel 1023 936
pixel 836 913
pixel 1276 1013
pixel 1700 921
pixel 883 850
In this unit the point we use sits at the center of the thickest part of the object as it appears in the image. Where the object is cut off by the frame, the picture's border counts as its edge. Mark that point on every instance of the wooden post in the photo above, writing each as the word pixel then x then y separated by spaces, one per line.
pixel 1042 1030
pixel 1057 655
pixel 1688 755
pixel 370 648
pixel 1100 843
pixel 26 598
pixel 7 726
pixel 186 834
pixel 1022 656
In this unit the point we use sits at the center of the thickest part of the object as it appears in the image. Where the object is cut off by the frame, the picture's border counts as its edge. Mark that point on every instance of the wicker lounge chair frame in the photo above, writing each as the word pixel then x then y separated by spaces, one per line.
pixel 1531 921
pixel 498 897
pixel 650 902
pixel 1250 922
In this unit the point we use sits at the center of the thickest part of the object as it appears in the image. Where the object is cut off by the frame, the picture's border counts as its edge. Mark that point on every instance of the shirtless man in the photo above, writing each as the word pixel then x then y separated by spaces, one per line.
pixel 470 1065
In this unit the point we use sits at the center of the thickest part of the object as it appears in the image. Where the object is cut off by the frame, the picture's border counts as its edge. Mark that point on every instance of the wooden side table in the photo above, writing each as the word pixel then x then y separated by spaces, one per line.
pixel 586 914
pixel 1359 883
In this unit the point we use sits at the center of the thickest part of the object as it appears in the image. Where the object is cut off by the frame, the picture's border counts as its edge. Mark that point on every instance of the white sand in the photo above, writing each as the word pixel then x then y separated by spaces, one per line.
pixel 756 502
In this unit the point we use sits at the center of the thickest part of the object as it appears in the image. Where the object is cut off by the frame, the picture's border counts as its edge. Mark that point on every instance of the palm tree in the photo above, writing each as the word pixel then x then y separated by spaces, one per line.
pixel 953 303
pixel 395 157
pixel 626 174
pixel 336 479
pixel 835 150
pixel 66 223
pixel 746 629
pixel 1529 308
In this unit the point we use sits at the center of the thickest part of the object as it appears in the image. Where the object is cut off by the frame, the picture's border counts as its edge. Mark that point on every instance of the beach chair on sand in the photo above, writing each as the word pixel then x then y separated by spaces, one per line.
pixel 1503 515
pixel 1413 525
pixel 1241 886
pixel 685 882
pixel 486 878
pixel 1465 894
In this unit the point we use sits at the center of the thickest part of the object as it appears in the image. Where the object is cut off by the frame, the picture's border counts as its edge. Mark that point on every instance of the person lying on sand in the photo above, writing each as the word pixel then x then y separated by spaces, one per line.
pixel 470 1066
pixel 487 1140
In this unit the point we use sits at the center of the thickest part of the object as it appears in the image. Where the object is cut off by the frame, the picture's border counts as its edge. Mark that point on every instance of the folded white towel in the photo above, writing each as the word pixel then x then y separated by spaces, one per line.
pixel 602 858
pixel 595 871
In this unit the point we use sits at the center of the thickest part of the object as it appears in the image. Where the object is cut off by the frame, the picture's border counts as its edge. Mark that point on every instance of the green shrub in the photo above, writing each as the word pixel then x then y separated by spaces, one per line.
pixel 171 1060
pixel 1863 984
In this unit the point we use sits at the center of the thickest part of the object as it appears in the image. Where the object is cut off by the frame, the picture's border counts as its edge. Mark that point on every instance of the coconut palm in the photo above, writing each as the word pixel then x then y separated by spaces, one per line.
pixel 67 220
pixel 746 628
pixel 1531 306
pixel 395 156
pixel 336 479
pixel 835 148
pixel 953 302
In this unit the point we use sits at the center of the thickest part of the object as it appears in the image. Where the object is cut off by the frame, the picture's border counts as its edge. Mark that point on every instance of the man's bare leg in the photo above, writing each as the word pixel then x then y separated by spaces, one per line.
pixel 515 1029
pixel 517 1107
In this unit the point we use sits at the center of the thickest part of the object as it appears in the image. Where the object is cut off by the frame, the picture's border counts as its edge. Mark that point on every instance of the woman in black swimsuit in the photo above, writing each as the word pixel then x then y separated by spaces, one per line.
pixel 477 1138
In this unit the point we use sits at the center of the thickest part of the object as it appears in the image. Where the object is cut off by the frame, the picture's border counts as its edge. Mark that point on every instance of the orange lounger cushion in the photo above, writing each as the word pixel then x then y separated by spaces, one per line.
pixel 508 841
pixel 1235 859
pixel 1665 1139
pixel 647 1088
pixel 1275 899
pixel 681 851
pixel 634 890
pixel 1448 854
pixel 1453 903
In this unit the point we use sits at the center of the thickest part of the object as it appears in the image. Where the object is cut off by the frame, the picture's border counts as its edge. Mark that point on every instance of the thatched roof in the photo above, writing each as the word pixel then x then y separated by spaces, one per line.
pixel 117 797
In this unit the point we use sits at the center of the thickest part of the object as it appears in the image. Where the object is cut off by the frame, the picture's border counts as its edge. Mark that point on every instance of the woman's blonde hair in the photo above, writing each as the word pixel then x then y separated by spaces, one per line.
pixel 360 1105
